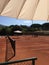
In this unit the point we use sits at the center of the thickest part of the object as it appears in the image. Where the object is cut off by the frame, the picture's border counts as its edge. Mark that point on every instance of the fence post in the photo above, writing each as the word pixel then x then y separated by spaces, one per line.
pixel 33 62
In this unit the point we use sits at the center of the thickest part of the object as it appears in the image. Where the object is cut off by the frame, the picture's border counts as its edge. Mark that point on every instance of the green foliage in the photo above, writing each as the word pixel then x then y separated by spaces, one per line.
pixel 36 27
pixel 24 28
pixel 9 30
pixel 45 26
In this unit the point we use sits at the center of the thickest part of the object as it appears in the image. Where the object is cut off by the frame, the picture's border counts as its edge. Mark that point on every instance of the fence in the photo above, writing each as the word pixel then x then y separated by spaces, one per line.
pixel 27 61
pixel 10 53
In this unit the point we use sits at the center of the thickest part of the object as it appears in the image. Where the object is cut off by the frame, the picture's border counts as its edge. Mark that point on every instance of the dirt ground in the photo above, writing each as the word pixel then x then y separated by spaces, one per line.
pixel 28 47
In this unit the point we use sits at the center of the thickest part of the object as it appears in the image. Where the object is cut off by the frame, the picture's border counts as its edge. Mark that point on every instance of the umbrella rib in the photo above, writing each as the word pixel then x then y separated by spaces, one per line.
pixel 21 8
pixel 36 8
pixel 4 6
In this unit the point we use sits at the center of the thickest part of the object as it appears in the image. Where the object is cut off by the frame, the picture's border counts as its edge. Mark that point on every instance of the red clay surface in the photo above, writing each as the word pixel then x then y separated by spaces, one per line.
pixel 27 47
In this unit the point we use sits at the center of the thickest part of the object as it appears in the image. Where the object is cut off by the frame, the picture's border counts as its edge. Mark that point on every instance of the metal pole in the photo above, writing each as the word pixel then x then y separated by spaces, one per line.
pixel 6 49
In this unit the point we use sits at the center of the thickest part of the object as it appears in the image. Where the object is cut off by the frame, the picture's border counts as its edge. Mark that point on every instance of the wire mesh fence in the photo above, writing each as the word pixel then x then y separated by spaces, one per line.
pixel 22 63
pixel 10 53
pixel 10 48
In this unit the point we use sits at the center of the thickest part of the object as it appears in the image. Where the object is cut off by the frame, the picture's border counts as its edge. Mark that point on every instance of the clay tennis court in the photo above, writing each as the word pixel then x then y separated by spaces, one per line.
pixel 28 46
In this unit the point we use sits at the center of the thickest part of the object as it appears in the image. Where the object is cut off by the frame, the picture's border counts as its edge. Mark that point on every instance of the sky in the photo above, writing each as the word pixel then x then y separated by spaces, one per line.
pixel 13 21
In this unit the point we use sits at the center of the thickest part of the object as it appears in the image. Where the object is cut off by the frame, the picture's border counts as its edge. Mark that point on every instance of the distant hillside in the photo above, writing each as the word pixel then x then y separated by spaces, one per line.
pixel 2 25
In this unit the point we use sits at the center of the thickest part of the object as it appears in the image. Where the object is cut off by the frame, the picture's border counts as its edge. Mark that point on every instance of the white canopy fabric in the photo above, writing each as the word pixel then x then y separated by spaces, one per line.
pixel 3 3
pixel 17 31
pixel 41 11
pixel 13 8
pixel 25 9
pixel 28 9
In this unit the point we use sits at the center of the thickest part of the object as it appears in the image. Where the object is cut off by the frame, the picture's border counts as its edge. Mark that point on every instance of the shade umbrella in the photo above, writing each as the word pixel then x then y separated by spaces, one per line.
pixel 25 9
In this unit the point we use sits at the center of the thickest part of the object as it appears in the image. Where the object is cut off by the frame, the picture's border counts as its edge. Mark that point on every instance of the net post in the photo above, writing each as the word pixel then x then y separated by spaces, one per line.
pixel 33 62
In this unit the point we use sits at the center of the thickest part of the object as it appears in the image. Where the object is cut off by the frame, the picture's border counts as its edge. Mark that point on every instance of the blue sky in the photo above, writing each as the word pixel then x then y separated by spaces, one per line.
pixel 13 21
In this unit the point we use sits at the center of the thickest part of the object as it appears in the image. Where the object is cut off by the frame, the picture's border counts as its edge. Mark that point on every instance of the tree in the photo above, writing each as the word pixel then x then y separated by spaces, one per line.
pixel 36 27
pixel 3 31
pixel 45 26
pixel 24 28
